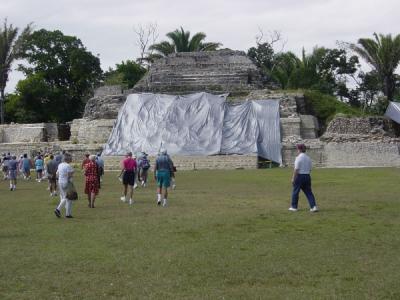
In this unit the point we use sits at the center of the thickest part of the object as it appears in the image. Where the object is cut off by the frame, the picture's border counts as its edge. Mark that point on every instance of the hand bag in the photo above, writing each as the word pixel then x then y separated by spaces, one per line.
pixel 71 192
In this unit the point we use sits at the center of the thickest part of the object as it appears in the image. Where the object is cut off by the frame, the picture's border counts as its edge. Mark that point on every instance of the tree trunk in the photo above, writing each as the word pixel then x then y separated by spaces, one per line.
pixel 2 106
pixel 389 87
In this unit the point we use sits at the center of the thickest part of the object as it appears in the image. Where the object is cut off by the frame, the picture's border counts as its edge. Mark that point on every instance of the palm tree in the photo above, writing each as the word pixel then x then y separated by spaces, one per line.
pixel 11 45
pixel 383 54
pixel 181 42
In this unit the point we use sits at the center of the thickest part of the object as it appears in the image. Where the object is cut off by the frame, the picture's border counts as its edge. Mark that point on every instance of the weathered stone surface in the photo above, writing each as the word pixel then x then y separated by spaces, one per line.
pixel 78 151
pixel 309 127
pixel 367 125
pixel 197 162
pixel 85 131
pixel 104 106
pixel 108 90
pixel 18 133
pixel 223 71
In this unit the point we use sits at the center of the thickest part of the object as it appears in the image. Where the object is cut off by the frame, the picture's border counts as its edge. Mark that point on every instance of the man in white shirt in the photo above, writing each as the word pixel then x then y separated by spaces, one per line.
pixel 301 179
pixel 64 173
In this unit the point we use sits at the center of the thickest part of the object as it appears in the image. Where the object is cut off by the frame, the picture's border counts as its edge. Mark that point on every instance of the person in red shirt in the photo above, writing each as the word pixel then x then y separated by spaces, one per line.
pixel 85 161
pixel 128 166
pixel 91 180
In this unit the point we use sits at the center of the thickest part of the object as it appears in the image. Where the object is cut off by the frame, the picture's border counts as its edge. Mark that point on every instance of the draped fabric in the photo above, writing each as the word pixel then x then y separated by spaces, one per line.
pixel 393 111
pixel 196 124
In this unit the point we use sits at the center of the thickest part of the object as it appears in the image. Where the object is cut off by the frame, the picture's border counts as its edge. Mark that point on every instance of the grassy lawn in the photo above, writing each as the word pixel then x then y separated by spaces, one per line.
pixel 225 235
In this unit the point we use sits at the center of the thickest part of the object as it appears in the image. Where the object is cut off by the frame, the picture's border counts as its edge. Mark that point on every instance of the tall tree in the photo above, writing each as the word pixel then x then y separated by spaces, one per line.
pixel 10 49
pixel 65 72
pixel 180 41
pixel 126 73
pixel 383 54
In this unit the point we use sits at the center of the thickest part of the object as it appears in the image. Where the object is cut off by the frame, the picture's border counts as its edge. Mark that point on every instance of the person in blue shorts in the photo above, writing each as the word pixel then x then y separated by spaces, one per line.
pixel 163 170
pixel 39 164
pixel 26 167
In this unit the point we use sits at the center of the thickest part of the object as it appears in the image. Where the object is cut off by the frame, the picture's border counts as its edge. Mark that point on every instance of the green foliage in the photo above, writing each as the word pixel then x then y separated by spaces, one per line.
pixel 126 74
pixel 383 54
pixel 180 41
pixel 325 107
pixel 262 56
pixel 11 48
pixel 61 75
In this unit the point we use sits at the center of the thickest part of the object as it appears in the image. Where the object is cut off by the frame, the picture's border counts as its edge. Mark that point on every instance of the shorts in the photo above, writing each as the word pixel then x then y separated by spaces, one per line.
pixel 12 174
pixel 52 178
pixel 163 178
pixel 128 178
pixel 39 170
pixel 26 170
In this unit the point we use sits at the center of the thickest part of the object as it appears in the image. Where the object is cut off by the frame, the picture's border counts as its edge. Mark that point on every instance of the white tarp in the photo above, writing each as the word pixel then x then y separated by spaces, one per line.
pixel 393 111
pixel 196 124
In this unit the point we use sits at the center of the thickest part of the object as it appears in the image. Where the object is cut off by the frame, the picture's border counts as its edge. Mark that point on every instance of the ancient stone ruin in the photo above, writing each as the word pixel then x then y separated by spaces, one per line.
pixel 223 71
pixel 347 142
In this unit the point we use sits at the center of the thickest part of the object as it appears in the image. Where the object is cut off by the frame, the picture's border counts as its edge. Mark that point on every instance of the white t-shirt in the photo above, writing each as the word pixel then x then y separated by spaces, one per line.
pixel 63 170
pixel 303 164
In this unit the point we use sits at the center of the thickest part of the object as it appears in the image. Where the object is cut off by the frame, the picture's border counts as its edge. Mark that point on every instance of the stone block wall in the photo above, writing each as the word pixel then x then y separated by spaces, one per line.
pixel 362 154
pixel 85 131
pixel 226 162
pixel 28 133
pixel 315 149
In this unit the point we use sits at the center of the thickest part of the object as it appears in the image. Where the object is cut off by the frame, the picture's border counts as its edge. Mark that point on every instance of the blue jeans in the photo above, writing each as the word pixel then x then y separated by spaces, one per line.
pixel 302 182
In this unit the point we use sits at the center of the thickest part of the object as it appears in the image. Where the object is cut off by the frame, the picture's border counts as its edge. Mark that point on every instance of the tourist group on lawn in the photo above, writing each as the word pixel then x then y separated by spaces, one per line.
pixel 58 171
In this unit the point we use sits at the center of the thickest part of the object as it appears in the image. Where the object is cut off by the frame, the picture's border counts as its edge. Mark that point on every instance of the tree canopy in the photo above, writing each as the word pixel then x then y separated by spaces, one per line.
pixel 126 74
pixel 383 54
pixel 60 76
pixel 180 41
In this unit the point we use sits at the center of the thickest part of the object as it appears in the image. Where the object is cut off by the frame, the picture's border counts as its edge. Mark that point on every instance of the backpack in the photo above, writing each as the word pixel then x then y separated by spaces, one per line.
pixel 145 164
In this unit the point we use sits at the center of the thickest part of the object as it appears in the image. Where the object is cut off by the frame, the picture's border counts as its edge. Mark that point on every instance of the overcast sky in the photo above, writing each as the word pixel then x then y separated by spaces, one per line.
pixel 106 27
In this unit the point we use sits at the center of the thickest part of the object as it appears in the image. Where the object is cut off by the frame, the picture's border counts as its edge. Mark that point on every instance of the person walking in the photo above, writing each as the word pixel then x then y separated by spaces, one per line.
pixel 65 173
pixel 128 166
pixel 144 166
pixel 26 167
pixel 100 167
pixel 51 168
pixel 163 171
pixel 301 179
pixel 39 168
pixel 91 180
pixel 13 172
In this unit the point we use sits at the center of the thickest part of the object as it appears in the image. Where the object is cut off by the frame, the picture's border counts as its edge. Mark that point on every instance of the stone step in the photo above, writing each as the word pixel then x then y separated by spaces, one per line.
pixel 196 162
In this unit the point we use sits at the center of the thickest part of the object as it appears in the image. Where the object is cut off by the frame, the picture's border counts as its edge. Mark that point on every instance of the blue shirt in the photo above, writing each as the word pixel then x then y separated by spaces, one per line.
pixel 39 164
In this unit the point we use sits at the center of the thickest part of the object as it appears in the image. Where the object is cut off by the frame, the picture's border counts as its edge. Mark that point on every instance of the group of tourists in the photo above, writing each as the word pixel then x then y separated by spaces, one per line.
pixel 132 169
pixel 59 172
pixel 13 167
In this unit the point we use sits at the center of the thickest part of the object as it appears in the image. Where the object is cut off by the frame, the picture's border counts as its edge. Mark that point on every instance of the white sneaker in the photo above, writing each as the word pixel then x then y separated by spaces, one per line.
pixel 123 199
pixel 314 209
pixel 292 209
pixel 164 204
pixel 131 201
pixel 135 185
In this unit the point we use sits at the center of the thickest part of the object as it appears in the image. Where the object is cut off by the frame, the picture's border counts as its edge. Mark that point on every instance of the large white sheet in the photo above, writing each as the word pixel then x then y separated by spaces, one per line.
pixel 393 111
pixel 196 124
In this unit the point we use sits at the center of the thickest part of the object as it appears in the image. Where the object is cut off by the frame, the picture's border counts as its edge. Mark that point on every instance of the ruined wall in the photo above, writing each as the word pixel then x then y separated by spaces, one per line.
pixel 214 162
pixel 22 133
pixel 86 131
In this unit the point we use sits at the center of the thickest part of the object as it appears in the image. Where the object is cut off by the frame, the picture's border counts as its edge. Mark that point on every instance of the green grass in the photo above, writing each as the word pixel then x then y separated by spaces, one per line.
pixel 225 235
